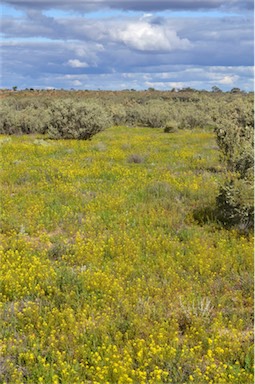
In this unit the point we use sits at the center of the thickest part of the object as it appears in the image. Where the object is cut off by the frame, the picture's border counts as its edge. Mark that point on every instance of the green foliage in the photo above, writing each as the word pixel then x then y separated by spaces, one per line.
pixel 118 114
pixel 8 121
pixel 23 121
pixel 235 203
pixel 188 109
pixel 235 135
pixel 135 115
pixel 171 127
pixel 77 120
pixel 195 115
pixel 235 138
pixel 155 115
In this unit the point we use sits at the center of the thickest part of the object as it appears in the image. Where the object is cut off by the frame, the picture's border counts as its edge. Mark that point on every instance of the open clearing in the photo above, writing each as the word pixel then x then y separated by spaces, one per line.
pixel 113 269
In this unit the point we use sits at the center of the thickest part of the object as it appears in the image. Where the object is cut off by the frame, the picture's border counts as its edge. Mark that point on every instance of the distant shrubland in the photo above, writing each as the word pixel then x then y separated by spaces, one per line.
pixel 33 112
pixel 81 115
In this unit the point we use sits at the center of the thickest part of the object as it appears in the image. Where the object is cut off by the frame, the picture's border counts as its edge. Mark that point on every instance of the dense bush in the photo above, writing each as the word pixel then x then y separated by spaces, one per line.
pixel 8 121
pixel 195 115
pixel 77 120
pixel 155 109
pixel 155 114
pixel 235 203
pixel 135 115
pixel 118 114
pixel 60 118
pixel 235 138
pixel 235 133
pixel 23 121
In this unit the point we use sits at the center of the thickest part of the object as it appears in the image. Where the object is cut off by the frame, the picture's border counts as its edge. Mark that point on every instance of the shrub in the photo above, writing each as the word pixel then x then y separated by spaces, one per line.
pixel 77 120
pixel 235 204
pixel 235 131
pixel 192 118
pixel 135 115
pixel 9 121
pixel 171 127
pixel 235 138
pixel 136 158
pixel 23 121
pixel 33 120
pixel 155 114
pixel 118 114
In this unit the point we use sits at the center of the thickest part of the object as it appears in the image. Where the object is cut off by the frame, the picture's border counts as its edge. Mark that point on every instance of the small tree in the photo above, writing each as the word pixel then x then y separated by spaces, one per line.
pixel 216 89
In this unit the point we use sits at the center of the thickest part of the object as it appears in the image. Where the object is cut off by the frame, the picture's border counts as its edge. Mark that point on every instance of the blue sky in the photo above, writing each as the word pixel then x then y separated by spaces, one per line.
pixel 110 44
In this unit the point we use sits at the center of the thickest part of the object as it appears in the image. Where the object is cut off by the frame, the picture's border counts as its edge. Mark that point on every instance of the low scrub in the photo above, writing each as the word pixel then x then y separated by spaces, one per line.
pixel 23 121
pixel 77 120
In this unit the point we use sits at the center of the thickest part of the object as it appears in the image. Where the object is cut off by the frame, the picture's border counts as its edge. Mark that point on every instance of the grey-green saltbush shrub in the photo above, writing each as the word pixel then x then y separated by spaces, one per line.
pixel 193 119
pixel 33 120
pixel 118 114
pixel 135 115
pixel 235 138
pixel 171 127
pixel 235 204
pixel 9 121
pixel 77 120
pixel 136 158
pixel 23 121
pixel 155 114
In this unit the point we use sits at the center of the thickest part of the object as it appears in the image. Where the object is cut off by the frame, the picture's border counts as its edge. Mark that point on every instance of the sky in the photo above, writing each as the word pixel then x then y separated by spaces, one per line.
pixel 119 44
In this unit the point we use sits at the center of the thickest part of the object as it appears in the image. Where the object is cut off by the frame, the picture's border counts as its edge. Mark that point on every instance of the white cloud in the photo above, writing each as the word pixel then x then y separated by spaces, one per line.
pixel 137 50
pixel 143 36
pixel 83 49
pixel 75 63
pixel 76 83
pixel 228 80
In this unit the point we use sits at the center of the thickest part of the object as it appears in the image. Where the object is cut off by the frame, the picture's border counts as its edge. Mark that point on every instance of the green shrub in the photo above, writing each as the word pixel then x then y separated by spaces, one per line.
pixel 23 121
pixel 33 120
pixel 9 121
pixel 135 115
pixel 235 138
pixel 235 203
pixel 235 133
pixel 155 114
pixel 192 118
pixel 118 114
pixel 136 158
pixel 171 127
pixel 77 120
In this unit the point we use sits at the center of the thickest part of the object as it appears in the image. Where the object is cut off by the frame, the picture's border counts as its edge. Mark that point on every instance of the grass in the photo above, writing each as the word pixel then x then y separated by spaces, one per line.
pixel 109 274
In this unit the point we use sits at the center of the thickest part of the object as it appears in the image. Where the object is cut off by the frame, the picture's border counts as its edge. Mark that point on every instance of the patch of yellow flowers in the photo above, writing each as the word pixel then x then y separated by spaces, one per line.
pixel 105 275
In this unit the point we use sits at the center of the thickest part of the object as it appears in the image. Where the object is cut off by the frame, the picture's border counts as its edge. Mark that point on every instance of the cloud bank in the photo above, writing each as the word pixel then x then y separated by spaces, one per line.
pixel 62 44
pixel 142 5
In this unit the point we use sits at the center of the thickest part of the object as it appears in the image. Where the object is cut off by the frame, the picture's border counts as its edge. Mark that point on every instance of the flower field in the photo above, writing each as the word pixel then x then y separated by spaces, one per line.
pixel 112 267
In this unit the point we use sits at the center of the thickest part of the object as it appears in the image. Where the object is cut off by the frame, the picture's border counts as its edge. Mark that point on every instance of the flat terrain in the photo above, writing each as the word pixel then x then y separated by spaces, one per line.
pixel 113 268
